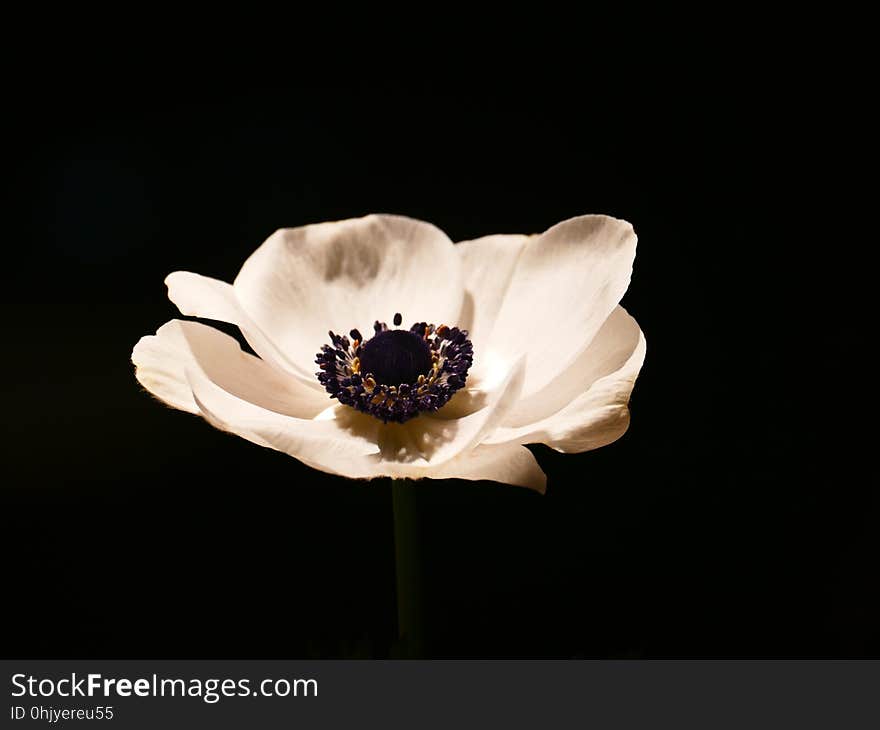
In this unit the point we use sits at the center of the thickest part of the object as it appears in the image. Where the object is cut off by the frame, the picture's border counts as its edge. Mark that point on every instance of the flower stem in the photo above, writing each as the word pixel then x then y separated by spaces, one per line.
pixel 407 556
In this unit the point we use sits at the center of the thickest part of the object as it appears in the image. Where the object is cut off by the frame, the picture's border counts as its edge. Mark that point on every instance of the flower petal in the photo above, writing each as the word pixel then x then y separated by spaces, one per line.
pixel 345 442
pixel 322 443
pixel 610 349
pixel 488 265
pixel 162 360
pixel 159 367
pixel 600 414
pixel 426 442
pixel 305 281
pixel 566 283
pixel 199 369
pixel 505 463
pixel 196 368
pixel 200 296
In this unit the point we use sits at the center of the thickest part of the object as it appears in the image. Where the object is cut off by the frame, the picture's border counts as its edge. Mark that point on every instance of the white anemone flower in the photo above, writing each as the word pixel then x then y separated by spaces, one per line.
pixel 515 340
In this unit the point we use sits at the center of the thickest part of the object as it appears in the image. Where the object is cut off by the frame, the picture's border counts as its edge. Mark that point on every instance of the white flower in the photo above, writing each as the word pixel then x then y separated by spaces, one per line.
pixel 554 355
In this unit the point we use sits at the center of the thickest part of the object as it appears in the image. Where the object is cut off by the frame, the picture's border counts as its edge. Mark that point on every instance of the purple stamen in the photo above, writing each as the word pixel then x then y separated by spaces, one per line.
pixel 396 374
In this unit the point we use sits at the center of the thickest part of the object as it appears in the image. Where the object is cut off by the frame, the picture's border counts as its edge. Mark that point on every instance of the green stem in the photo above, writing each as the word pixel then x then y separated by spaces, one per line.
pixel 408 564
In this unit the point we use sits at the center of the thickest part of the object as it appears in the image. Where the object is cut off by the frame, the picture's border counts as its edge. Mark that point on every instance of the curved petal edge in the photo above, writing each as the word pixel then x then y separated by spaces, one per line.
pixel 594 419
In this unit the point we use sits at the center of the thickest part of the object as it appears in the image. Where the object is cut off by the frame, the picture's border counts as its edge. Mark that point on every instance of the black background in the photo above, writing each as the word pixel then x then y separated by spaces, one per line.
pixel 717 526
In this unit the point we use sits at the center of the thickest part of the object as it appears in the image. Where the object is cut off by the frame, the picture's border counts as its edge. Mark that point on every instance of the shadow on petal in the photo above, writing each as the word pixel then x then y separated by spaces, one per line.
pixel 426 442
pixel 413 442
pixel 468 312
pixel 465 402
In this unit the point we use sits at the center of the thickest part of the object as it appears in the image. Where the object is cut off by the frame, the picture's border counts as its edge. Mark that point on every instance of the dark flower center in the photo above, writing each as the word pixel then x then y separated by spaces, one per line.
pixel 396 356
pixel 396 374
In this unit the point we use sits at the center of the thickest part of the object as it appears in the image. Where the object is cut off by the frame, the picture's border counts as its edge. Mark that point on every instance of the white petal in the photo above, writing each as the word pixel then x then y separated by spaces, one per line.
pixel 200 296
pixel 323 443
pixel 566 283
pixel 466 401
pixel 427 442
pixel 305 281
pixel 506 463
pixel 199 369
pixel 600 415
pixel 610 349
pixel 352 444
pixel 488 264
pixel 239 393
pixel 159 366
pixel 162 360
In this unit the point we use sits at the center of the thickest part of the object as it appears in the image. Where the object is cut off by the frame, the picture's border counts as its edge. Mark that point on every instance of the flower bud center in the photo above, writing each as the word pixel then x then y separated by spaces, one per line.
pixel 395 357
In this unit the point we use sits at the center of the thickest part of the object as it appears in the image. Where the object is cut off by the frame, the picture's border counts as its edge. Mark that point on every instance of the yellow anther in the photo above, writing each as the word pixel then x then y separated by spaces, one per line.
pixel 356 365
